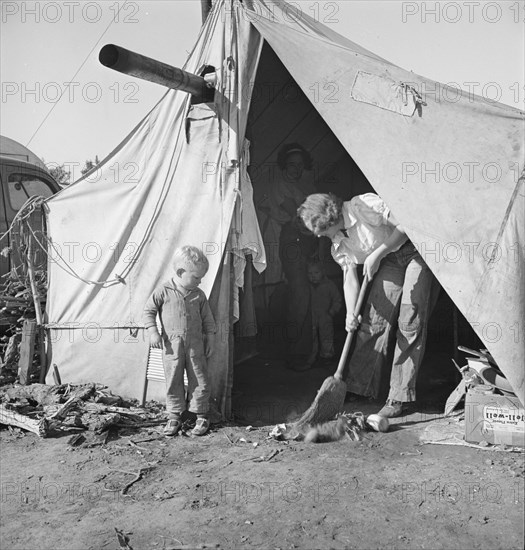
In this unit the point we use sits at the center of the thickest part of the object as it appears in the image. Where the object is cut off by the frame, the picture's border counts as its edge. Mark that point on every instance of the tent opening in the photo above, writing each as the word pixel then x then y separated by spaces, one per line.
pixel 281 114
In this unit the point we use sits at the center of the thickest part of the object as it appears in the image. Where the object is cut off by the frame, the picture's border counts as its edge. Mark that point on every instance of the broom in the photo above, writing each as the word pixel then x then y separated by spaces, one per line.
pixel 331 397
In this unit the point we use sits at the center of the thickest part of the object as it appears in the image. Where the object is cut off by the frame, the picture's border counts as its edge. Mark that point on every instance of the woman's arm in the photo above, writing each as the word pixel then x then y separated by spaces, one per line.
pixel 351 291
pixel 371 264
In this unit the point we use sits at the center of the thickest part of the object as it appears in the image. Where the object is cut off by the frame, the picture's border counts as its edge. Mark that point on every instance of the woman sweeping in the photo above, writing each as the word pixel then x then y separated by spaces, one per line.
pixel 364 231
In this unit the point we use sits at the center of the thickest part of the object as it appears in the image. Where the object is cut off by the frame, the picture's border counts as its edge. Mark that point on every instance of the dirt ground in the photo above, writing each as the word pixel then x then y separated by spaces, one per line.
pixel 385 491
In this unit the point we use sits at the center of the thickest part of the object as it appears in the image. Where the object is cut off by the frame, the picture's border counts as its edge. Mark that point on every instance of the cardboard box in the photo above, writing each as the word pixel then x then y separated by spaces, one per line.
pixel 496 419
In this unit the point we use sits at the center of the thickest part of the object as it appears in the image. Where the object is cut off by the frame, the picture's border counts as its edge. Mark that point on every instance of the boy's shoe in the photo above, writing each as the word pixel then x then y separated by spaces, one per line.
pixel 392 409
pixel 201 426
pixel 172 427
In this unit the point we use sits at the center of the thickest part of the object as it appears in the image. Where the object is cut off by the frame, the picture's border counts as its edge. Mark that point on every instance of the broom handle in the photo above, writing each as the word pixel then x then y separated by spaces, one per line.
pixel 349 337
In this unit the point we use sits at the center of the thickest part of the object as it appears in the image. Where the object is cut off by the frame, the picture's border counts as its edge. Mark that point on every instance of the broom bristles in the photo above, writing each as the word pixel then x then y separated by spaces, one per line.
pixel 327 403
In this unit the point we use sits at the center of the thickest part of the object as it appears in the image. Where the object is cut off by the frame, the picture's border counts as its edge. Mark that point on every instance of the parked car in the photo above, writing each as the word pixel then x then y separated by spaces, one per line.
pixel 22 175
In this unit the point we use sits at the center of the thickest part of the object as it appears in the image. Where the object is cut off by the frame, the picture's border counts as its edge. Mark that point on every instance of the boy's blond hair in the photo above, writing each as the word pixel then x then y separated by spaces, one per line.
pixel 189 256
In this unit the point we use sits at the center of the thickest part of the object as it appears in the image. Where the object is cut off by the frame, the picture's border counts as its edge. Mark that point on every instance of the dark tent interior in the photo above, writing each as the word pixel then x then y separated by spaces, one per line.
pixel 265 391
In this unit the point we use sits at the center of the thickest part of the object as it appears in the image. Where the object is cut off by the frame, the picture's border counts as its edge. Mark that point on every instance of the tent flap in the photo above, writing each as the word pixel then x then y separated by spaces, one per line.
pixel 114 232
pixel 448 172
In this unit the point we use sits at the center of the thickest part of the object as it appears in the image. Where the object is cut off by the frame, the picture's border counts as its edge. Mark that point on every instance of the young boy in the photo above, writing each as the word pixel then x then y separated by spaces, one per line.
pixel 326 302
pixel 187 329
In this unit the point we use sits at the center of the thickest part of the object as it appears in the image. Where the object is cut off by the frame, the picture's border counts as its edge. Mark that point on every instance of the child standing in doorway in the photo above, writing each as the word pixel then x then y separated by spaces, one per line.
pixel 186 340
pixel 326 303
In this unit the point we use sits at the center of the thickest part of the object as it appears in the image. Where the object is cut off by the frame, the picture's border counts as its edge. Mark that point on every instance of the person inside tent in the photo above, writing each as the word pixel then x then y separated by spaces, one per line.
pixel 325 304
pixel 281 227
pixel 296 248
pixel 364 231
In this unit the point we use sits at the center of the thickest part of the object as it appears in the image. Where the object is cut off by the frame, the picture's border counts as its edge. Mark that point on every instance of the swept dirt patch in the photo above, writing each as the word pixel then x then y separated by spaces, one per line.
pixel 386 491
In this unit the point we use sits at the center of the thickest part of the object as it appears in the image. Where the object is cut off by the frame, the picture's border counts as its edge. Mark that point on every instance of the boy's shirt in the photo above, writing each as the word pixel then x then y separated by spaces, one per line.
pixel 180 315
pixel 326 296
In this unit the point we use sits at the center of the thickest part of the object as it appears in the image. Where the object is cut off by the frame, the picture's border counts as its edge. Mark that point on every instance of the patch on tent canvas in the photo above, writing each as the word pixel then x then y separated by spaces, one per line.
pixel 197 114
pixel 386 93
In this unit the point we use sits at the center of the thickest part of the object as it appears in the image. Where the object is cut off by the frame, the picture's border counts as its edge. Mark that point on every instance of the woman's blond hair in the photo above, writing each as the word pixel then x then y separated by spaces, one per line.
pixel 320 211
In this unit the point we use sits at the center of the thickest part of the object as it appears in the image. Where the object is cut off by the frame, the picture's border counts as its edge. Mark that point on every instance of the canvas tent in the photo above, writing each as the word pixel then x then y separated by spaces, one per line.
pixel 448 164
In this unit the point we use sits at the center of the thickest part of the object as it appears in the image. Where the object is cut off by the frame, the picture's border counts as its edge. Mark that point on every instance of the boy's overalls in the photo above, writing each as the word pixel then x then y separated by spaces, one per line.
pixel 185 320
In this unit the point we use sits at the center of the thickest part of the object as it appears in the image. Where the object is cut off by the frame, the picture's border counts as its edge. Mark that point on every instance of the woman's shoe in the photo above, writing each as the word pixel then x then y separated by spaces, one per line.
pixel 392 409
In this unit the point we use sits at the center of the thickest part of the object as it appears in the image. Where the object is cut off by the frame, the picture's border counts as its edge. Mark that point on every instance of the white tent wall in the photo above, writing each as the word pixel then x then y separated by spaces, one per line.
pixel 174 181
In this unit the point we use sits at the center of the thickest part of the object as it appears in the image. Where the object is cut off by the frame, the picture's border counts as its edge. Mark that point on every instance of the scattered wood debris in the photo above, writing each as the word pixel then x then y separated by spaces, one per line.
pixel 123 539
pixel 265 458
pixel 12 418
pixel 76 440
pixel 22 290
pixel 50 410
pixel 138 477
